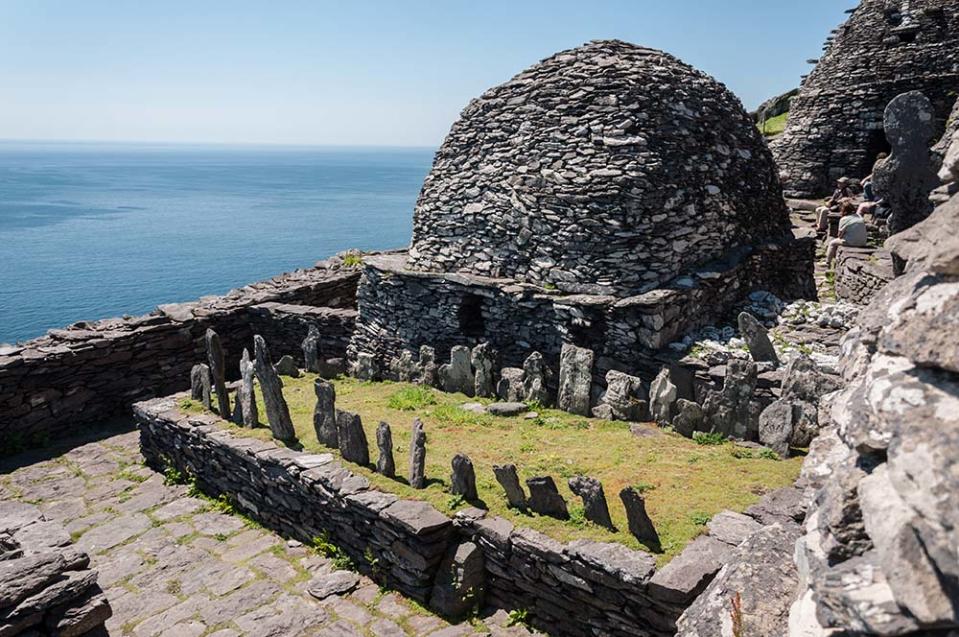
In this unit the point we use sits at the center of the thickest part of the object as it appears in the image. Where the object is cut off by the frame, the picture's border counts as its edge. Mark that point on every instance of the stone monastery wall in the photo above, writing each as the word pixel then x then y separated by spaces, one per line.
pixel 88 372
pixel 578 589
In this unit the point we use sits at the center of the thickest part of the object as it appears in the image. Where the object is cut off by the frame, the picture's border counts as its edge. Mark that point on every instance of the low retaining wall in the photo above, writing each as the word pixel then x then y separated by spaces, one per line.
pixel 861 273
pixel 578 589
pixel 55 384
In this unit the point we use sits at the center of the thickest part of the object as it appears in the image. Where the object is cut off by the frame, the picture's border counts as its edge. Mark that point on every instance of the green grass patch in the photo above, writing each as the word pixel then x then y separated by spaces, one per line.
pixel 708 439
pixel 411 398
pixel 676 475
pixel 774 125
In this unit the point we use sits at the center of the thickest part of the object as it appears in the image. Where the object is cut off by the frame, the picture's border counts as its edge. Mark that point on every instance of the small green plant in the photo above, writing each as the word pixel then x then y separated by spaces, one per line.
pixel 741 453
pixel 768 454
pixel 455 502
pixel 700 519
pixel 172 476
pixel 519 617
pixel 577 516
pixel 708 439
pixel 457 417
pixel 549 286
pixel 352 260
pixel 535 405
pixel 643 487
pixel 221 537
pixel 411 398
pixel 326 548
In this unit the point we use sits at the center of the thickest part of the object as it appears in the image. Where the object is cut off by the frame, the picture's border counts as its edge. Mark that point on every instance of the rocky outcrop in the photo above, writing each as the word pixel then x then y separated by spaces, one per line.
pixel 47 587
pixel 878 556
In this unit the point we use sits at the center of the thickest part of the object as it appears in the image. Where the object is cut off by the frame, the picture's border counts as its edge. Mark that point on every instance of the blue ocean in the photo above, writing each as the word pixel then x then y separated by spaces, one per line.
pixel 89 231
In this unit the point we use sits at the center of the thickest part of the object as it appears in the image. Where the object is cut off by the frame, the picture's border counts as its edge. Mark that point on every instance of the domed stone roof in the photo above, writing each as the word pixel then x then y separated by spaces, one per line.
pixel 609 168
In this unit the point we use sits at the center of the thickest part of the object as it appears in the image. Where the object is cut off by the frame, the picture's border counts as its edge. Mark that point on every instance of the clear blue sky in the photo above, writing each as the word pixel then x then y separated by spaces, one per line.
pixel 350 72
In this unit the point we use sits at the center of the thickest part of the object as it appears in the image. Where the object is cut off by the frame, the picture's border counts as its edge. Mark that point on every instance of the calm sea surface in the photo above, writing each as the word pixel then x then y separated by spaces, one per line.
pixel 89 231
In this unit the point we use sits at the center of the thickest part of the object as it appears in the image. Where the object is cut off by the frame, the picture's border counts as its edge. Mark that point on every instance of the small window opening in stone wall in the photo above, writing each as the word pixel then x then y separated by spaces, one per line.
pixel 470 316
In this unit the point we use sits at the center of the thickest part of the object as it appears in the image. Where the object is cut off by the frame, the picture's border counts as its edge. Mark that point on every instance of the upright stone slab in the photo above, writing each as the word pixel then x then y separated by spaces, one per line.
pixel 689 418
pixel 776 427
pixel 907 177
pixel 463 479
pixel 626 397
pixel 757 339
pixel 508 478
pixel 311 349
pixel 428 369
pixel 662 398
pixel 214 354
pixel 351 438
pixel 730 412
pixel 384 442
pixel 457 375
pixel 286 366
pixel 245 411
pixel 544 498
pixel 365 367
pixel 201 388
pixel 640 525
pixel 404 368
pixel 418 456
pixel 510 385
pixel 324 414
pixel 594 500
pixel 534 380
pixel 483 359
pixel 460 582
pixel 277 411
pixel 575 379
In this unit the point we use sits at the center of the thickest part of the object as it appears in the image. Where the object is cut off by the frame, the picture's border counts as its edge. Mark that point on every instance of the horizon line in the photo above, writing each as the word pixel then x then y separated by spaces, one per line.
pixel 144 142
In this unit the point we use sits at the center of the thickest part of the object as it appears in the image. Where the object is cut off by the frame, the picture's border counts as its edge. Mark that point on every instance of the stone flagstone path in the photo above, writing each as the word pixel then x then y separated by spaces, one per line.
pixel 174 566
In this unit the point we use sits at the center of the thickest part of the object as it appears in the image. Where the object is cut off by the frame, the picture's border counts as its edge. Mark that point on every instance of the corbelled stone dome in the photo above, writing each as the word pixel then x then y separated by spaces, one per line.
pixel 609 168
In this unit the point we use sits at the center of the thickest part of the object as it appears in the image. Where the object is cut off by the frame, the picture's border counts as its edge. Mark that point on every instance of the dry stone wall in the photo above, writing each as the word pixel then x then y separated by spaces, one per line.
pixel 91 371
pixel 285 327
pixel 403 309
pixel 861 273
pixel 886 48
pixel 578 589
pixel 606 169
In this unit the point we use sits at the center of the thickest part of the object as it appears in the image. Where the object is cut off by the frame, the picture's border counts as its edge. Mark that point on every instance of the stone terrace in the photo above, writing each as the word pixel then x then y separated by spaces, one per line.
pixel 172 566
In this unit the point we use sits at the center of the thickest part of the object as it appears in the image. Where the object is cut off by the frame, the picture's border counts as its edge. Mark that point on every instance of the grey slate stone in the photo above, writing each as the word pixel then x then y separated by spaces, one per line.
pixel 286 366
pixel 640 525
pixel 277 411
pixel 594 500
pixel 575 380
pixel 324 414
pixel 311 349
pixel 534 380
pixel 460 582
pixel 384 442
pixel 483 359
pixel 544 498
pixel 246 412
pixel 463 478
pixel 201 388
pixel 757 339
pixel 351 438
pixel 215 357
pixel 508 478
pixel 418 456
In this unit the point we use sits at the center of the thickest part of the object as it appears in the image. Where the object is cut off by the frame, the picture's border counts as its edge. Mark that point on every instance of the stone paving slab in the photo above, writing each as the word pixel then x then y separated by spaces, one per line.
pixel 173 565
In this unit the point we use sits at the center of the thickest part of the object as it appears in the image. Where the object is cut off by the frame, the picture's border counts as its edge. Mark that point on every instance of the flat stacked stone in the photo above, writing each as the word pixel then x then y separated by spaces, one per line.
pixel 46 584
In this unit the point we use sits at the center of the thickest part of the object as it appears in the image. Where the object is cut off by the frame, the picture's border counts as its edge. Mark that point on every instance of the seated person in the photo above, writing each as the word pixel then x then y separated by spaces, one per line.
pixel 852 233
pixel 868 192
pixel 843 192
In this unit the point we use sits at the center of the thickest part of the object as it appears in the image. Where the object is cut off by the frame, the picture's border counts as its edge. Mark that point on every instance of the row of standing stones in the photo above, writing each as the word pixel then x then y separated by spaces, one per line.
pixel 343 430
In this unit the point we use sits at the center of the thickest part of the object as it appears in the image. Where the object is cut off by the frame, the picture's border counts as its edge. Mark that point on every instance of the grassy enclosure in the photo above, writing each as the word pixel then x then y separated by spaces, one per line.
pixel 685 482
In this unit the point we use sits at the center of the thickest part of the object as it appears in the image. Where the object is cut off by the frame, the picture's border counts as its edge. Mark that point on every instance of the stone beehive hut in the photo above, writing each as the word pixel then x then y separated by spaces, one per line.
pixel 609 168
pixel 610 196
pixel 887 47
